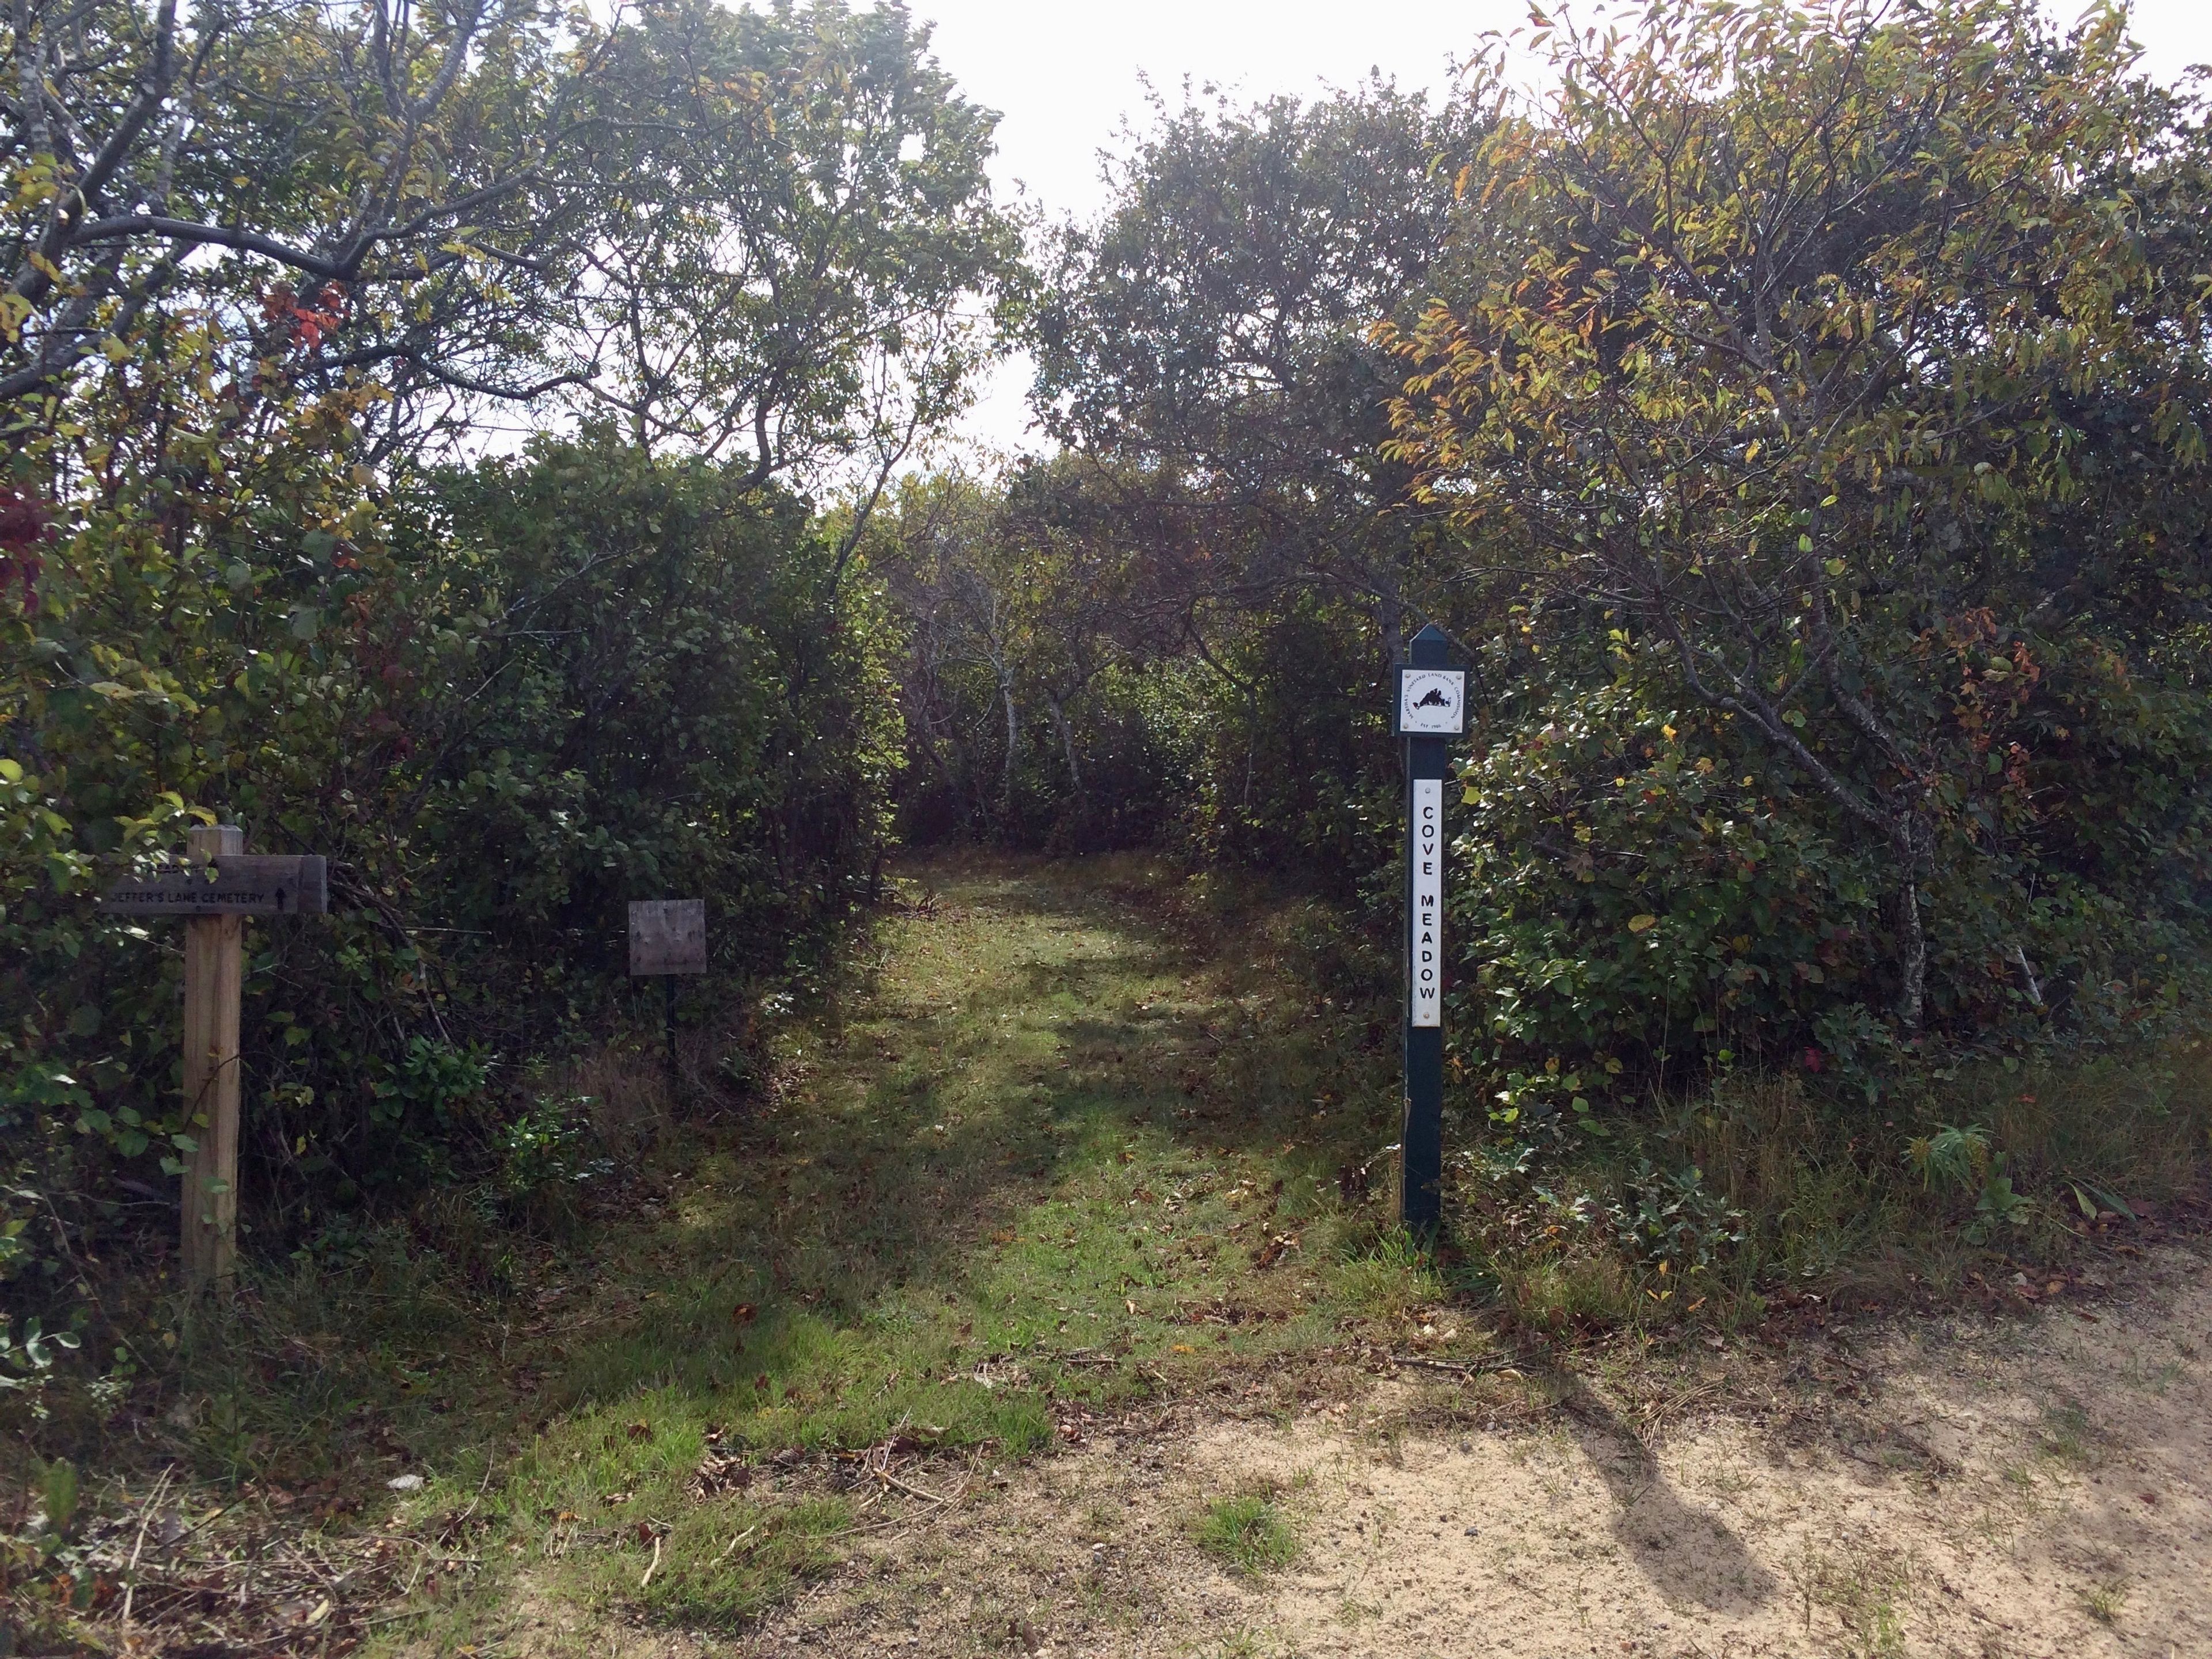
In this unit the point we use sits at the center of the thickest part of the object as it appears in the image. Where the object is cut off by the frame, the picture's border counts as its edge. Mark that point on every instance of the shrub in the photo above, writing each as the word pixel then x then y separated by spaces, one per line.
pixel 502 704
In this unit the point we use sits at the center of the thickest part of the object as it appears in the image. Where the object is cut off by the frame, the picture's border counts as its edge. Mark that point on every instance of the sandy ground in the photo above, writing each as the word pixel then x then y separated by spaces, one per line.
pixel 2034 1487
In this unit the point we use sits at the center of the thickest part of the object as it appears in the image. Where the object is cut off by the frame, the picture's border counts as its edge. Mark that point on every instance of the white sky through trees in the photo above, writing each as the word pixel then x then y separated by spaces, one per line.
pixel 1065 76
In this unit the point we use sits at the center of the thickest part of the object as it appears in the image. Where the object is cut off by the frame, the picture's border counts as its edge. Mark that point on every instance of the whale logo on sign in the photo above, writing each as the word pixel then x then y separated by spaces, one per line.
pixel 1433 701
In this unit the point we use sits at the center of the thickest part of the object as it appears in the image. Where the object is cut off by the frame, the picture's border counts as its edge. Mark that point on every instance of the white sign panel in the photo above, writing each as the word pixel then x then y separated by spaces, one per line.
pixel 1433 701
pixel 1427 941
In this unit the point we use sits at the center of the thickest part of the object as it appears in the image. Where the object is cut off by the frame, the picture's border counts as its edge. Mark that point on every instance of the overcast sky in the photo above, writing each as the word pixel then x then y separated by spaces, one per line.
pixel 1065 76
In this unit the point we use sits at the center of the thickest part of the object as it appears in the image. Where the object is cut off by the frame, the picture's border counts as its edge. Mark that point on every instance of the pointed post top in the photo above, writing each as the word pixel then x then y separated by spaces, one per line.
pixel 1429 649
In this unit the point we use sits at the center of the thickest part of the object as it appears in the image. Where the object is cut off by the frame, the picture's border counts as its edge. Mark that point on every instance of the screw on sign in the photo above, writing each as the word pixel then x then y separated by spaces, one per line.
pixel 218 887
pixel 1428 709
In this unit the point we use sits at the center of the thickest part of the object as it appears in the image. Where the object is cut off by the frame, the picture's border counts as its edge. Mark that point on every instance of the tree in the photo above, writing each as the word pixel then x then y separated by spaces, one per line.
pixel 367 188
pixel 1206 350
pixel 796 258
pixel 1212 329
pixel 1019 605
pixel 1853 364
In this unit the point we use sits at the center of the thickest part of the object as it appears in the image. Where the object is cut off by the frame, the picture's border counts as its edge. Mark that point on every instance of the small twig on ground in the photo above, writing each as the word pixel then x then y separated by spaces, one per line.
pixel 1460 1367
pixel 431 1549
pixel 145 1519
pixel 1654 1416
pixel 890 1480
pixel 208 1519
pixel 655 1567
pixel 485 1486
pixel 732 1545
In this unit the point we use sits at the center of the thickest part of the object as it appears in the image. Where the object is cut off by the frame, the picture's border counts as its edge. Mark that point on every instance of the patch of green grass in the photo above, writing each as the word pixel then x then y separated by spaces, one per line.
pixel 2103 1601
pixel 1242 1642
pixel 1390 1280
pixel 2067 1435
pixel 724 1565
pixel 1248 1533
pixel 1863 1589
pixel 1588 1288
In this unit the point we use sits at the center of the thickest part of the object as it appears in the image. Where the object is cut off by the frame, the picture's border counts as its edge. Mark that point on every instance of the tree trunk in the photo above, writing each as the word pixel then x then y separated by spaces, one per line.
pixel 1911 933
pixel 1066 746
pixel 1912 989
pixel 1390 619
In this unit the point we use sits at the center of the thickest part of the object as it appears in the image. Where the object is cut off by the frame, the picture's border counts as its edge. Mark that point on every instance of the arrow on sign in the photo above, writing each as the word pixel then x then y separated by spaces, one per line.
pixel 237 885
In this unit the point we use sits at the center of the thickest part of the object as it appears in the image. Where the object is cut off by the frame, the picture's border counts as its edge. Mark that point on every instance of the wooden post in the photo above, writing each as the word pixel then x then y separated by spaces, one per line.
pixel 214 984
pixel 217 891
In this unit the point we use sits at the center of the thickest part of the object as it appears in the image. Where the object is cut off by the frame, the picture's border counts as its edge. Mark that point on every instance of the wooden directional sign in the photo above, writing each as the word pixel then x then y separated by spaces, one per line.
pixel 236 885
pixel 668 936
pixel 217 887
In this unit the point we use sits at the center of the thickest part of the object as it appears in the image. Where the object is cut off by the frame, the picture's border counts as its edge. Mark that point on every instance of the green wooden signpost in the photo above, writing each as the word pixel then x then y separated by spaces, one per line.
pixel 1428 710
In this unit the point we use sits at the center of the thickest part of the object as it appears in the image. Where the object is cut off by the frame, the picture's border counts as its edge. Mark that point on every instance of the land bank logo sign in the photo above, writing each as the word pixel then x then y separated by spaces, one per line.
pixel 1432 702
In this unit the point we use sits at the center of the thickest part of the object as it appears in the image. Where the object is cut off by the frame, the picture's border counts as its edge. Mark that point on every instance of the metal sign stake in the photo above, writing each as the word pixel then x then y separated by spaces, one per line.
pixel 668 937
pixel 1430 709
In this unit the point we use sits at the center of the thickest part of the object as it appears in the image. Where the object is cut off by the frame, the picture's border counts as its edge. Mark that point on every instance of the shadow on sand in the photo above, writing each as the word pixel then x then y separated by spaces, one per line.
pixel 1690 1555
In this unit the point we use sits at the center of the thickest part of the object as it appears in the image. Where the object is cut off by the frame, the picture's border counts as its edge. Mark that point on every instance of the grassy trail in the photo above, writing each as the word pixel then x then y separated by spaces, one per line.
pixel 1070 1163
pixel 1042 1160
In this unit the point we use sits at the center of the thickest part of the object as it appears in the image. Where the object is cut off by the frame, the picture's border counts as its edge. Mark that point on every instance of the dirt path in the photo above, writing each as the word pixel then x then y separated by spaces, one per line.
pixel 2006 1492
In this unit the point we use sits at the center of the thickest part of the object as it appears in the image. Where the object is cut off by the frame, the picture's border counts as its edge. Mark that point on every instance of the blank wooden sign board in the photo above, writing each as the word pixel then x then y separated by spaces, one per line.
pixel 218 887
pixel 667 936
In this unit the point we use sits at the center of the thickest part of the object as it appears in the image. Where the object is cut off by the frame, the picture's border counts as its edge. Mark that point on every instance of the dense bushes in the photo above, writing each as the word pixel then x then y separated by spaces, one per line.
pixel 663 692
pixel 1636 880
pixel 269 265
pixel 528 692
pixel 1861 451
pixel 1798 421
